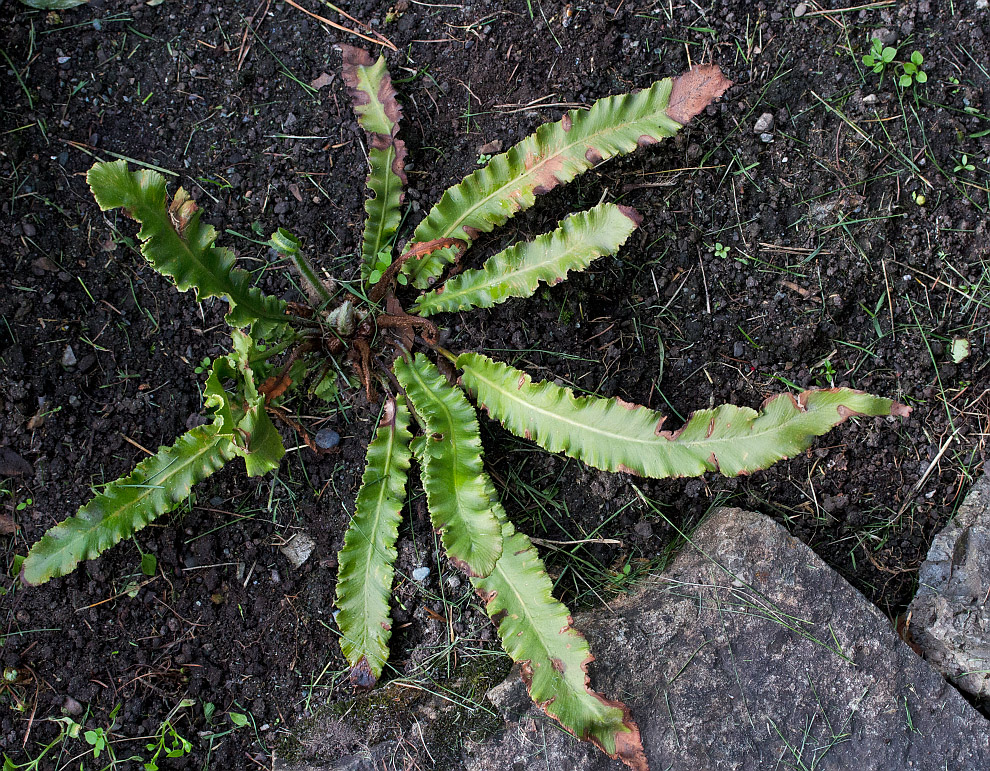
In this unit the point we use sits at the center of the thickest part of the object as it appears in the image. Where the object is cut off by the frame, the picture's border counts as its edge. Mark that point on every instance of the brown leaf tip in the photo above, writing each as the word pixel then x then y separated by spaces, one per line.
pixel 900 410
pixel 354 57
pixel 632 214
pixel 361 676
pixel 695 90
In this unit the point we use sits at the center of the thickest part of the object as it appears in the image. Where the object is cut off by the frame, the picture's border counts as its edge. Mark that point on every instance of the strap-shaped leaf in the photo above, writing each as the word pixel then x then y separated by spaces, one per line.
pixel 536 631
pixel 556 154
pixel 157 485
pixel 459 494
pixel 241 416
pixel 517 271
pixel 378 113
pixel 178 245
pixel 613 435
pixel 364 578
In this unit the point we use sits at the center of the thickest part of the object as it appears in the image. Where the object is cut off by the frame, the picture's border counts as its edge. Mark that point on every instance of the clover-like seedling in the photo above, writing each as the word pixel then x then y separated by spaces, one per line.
pixel 963 165
pixel 879 56
pixel 377 334
pixel 911 71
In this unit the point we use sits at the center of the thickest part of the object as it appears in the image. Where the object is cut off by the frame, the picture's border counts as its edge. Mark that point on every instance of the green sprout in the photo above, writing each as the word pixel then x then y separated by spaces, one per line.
pixel 963 165
pixel 912 72
pixel 720 250
pixel 879 56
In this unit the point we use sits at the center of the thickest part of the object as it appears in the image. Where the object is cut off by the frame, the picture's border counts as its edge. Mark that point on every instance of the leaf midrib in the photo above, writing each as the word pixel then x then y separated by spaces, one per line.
pixel 84 536
pixel 547 648
pixel 587 139
pixel 573 231
pixel 372 548
pixel 655 441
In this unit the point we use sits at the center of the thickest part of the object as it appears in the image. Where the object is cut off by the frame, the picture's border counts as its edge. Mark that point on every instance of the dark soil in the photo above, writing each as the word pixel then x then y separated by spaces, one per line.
pixel 835 273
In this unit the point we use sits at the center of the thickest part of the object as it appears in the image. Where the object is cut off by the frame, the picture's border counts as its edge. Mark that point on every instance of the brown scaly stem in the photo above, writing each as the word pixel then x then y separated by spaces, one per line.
pixel 279 413
pixel 427 329
pixel 364 366
pixel 387 280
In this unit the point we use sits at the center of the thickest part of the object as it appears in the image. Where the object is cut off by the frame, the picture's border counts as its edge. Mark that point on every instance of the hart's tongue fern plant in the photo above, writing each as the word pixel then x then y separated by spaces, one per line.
pixel 365 338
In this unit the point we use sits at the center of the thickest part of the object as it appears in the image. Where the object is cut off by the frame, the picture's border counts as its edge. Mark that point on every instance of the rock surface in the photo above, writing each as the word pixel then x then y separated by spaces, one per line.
pixel 950 618
pixel 751 653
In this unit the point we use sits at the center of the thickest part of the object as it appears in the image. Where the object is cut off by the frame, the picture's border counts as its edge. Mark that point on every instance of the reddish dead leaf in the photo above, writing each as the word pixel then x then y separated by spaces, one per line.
pixel 695 90
pixel 274 386
pixel 361 676
pixel 7 525
pixel 321 81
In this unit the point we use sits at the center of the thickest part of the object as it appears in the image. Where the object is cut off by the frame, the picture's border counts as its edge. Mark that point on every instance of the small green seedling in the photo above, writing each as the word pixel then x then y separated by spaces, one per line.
pixel 963 165
pixel 203 368
pixel 911 71
pixel 720 250
pixel 169 741
pixel 24 504
pixel 879 56
pixel 483 159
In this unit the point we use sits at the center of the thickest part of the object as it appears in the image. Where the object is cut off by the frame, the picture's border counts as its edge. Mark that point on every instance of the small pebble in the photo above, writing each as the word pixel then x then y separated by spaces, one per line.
pixel 29 230
pixel 764 123
pixel 800 10
pixel 68 357
pixel 766 138
pixel 739 349
pixel 71 707
pixel 420 574
pixel 327 438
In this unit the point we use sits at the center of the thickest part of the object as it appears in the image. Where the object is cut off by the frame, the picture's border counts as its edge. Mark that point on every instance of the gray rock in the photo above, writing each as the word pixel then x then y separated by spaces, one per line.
pixel 800 10
pixel 420 574
pixel 68 357
pixel 327 438
pixel 763 124
pixel 298 549
pixel 751 653
pixel 950 618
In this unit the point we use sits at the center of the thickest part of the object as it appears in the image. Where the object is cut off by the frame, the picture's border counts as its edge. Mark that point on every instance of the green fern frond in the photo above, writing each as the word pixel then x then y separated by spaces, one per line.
pixel 613 435
pixel 536 630
pixel 179 246
pixel 378 113
pixel 157 485
pixel 556 154
pixel 459 494
pixel 517 271
pixel 364 578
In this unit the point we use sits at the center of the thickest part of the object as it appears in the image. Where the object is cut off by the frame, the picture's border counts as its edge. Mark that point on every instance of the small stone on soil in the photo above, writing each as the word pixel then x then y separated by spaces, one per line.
pixel 420 574
pixel 71 707
pixel 298 549
pixel 764 123
pixel 68 357
pixel 327 438
pixel 800 10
